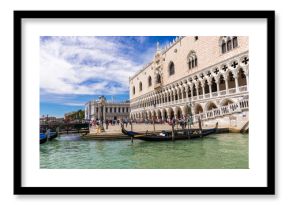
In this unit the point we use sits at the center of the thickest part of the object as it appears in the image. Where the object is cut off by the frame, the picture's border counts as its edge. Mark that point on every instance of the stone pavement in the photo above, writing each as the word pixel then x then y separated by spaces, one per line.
pixel 142 127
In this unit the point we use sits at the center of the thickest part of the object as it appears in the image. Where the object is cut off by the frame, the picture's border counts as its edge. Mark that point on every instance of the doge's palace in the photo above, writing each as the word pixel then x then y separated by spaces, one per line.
pixel 203 77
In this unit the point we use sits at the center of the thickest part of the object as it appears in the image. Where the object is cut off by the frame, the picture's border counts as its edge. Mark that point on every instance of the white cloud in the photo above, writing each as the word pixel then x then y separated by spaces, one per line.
pixel 84 65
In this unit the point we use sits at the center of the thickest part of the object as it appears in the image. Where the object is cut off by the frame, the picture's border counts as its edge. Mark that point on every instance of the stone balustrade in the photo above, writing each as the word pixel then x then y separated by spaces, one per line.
pixel 222 111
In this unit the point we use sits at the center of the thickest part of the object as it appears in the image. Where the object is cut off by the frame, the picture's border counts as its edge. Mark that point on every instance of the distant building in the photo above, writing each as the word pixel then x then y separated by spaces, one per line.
pixel 102 109
pixel 75 115
pixel 50 119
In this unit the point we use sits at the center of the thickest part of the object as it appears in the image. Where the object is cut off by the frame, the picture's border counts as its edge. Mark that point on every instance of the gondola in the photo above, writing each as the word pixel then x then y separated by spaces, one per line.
pixel 167 136
pixel 42 138
pixel 51 135
pixel 48 135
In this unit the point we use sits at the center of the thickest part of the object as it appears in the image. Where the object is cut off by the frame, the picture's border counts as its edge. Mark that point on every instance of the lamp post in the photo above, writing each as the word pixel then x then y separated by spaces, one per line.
pixel 144 115
pixel 188 119
pixel 131 123
pixel 102 104
pixel 189 115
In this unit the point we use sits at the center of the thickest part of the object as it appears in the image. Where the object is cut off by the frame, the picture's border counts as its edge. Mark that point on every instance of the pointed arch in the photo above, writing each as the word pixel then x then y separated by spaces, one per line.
pixel 140 86
pixel 213 85
pixel 210 105
pixel 226 101
pixel 198 108
pixel 149 81
pixel 192 60
pixel 231 80
pixel 242 77
pixel 171 68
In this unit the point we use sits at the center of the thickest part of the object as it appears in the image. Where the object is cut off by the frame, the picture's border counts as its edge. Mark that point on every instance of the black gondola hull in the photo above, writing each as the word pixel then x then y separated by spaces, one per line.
pixel 52 136
pixel 178 135
pixel 43 140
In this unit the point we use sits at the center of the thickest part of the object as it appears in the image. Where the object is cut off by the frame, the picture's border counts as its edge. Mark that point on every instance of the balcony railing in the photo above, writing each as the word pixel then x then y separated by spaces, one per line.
pixel 194 98
pixel 243 88
pixel 232 90
pixel 224 110
pixel 223 92
pixel 214 94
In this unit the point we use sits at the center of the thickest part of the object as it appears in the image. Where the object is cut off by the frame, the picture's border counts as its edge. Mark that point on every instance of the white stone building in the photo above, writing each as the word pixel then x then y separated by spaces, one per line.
pixel 101 109
pixel 198 76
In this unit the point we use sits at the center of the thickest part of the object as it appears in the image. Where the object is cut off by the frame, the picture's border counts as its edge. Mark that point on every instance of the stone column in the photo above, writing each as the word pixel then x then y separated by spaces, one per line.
pixel 227 85
pixel 217 80
pixel 209 86
pixel 236 76
pixel 162 115
pixel 246 70
pixel 183 111
pixel 168 114
pixel 192 90
pixel 173 95
pixel 181 90
pixel 203 93
pixel 175 114
pixel 186 92
pixel 196 89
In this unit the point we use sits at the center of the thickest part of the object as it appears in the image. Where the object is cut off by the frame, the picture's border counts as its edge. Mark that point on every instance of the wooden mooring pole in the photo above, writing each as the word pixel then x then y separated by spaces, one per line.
pixel 200 128
pixel 173 134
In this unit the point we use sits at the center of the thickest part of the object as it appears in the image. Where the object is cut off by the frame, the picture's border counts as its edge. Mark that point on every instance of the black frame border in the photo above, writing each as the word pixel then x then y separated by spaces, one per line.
pixel 269 16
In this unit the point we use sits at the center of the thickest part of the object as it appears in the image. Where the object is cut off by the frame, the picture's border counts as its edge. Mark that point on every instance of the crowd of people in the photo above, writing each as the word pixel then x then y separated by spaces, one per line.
pixel 108 123
pixel 182 122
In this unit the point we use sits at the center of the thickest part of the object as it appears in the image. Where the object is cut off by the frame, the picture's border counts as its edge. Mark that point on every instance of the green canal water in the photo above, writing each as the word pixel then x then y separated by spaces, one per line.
pixel 220 151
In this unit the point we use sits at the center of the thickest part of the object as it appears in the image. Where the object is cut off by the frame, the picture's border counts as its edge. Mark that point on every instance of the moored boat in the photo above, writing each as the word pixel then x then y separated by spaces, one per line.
pixel 166 136
pixel 52 135
pixel 42 138
pixel 47 135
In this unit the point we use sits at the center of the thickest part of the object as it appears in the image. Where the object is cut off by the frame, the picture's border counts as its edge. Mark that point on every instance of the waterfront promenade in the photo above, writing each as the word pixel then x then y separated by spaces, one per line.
pixel 114 131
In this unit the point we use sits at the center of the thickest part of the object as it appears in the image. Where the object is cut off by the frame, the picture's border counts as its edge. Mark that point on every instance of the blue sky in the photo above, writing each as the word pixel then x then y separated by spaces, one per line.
pixel 77 69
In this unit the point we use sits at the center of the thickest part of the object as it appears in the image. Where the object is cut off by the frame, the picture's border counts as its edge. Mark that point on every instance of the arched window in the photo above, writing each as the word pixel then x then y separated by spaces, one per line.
pixel 224 47
pixel 235 42
pixel 192 60
pixel 158 78
pixel 140 86
pixel 171 68
pixel 133 90
pixel 227 43
pixel 149 81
